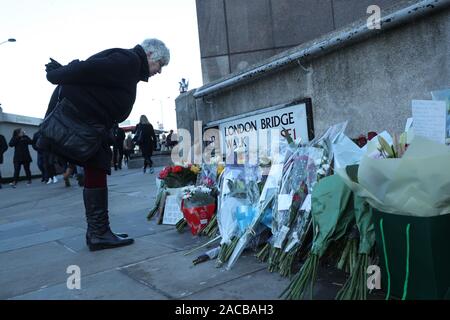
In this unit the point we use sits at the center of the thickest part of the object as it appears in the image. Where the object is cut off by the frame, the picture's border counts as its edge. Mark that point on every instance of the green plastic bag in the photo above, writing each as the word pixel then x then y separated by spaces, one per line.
pixel 414 255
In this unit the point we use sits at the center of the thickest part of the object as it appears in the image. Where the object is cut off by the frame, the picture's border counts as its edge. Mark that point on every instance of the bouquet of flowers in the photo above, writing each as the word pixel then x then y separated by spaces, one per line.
pixel 198 206
pixel 404 191
pixel 356 285
pixel 172 177
pixel 239 190
pixel 329 213
pixel 285 210
pixel 266 200
pixel 207 176
pixel 179 176
pixel 303 168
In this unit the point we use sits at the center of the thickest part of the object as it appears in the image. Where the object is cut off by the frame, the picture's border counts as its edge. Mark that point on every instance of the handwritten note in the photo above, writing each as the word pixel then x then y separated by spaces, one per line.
pixel 430 119
pixel 172 211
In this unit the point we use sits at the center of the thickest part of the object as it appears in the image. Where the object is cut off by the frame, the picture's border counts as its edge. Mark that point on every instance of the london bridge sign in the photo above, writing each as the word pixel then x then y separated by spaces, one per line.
pixel 256 130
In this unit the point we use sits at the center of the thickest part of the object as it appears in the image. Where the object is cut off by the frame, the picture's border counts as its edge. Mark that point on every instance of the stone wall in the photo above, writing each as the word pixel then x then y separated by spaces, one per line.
pixel 235 34
pixel 370 83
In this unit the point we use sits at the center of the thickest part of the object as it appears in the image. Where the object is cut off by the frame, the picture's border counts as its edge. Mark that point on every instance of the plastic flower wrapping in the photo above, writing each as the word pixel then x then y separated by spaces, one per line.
pixel 239 193
pixel 265 201
pixel 198 205
pixel 208 176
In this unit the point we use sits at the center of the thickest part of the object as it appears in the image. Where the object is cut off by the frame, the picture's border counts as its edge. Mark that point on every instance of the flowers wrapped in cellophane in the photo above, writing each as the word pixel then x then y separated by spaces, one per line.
pixel 172 177
pixel 265 201
pixel 239 190
pixel 198 205
pixel 208 176
pixel 302 169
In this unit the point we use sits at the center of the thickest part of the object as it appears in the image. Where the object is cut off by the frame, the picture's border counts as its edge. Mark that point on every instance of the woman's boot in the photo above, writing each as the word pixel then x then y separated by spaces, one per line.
pixel 99 235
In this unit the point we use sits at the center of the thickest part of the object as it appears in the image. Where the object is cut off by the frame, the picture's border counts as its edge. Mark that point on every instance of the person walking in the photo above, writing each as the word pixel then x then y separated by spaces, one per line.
pixel 100 91
pixel 70 169
pixel 146 139
pixel 169 141
pixel 40 157
pixel 3 148
pixel 128 147
pixel 119 137
pixel 50 161
pixel 20 142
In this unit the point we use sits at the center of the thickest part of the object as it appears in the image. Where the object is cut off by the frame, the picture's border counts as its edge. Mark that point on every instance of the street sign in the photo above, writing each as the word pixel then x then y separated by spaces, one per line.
pixel 243 131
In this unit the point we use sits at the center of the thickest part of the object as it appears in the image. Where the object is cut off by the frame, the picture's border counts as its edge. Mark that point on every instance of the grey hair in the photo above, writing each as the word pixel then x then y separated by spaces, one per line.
pixel 143 120
pixel 158 49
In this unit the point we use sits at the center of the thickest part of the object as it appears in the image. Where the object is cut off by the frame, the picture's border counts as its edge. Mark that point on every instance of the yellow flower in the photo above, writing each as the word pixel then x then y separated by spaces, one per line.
pixel 220 168
pixel 195 169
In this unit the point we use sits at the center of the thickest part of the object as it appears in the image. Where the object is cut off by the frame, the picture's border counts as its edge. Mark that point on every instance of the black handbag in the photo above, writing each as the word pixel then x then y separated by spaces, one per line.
pixel 65 134
pixel 139 136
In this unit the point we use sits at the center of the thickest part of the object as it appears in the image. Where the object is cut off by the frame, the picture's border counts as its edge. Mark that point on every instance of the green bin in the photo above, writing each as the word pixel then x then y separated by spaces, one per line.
pixel 426 273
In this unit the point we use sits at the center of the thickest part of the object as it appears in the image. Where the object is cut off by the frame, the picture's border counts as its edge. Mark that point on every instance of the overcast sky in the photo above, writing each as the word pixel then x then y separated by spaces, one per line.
pixel 76 29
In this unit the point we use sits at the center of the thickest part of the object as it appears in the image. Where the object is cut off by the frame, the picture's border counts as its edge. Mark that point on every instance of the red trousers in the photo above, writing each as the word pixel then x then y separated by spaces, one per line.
pixel 94 178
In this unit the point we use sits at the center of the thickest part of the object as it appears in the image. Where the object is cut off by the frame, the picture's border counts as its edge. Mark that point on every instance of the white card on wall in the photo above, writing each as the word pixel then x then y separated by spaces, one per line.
pixel 172 210
pixel 430 119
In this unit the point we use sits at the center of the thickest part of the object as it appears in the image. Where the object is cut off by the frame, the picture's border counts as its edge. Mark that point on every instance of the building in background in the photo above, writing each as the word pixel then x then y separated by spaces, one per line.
pixel 236 34
pixel 326 53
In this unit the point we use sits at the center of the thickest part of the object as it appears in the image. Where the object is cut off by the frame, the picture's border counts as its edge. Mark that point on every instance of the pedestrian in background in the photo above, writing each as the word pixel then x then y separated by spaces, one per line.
pixel 70 169
pixel 20 142
pixel 169 141
pixel 40 157
pixel 3 148
pixel 50 161
pixel 128 147
pixel 145 138
pixel 119 137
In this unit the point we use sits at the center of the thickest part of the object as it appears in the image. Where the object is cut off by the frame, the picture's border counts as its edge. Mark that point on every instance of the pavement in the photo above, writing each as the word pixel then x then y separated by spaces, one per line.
pixel 42 234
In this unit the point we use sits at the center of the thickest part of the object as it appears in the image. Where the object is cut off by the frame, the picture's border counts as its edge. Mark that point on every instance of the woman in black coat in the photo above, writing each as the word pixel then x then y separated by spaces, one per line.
pixel 3 148
pixel 22 157
pixel 146 140
pixel 102 90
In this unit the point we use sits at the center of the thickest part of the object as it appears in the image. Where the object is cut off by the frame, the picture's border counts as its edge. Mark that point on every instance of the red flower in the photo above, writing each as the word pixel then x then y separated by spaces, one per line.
pixel 164 173
pixel 361 141
pixel 371 135
pixel 177 169
pixel 296 198
pixel 208 182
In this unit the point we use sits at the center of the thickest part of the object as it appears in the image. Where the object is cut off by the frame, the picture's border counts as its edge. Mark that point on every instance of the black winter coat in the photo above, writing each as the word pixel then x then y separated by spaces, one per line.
pixel 148 140
pixel 119 137
pixel 103 88
pixel 21 151
pixel 3 147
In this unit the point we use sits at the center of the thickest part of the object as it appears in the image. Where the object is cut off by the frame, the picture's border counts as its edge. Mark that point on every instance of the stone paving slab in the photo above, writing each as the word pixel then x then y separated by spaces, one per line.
pixel 175 240
pixel 31 268
pixel 175 274
pixel 23 227
pixel 19 242
pixel 108 285
pixel 261 285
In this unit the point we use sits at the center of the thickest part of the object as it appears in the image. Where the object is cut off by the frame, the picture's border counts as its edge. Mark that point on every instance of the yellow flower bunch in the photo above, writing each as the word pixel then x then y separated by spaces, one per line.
pixel 220 169
pixel 195 169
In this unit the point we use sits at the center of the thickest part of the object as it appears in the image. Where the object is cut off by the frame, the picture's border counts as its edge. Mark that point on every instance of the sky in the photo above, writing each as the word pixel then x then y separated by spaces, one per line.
pixel 76 29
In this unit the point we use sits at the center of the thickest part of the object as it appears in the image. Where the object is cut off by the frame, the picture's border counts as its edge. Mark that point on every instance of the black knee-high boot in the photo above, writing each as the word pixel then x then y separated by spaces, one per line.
pixel 99 235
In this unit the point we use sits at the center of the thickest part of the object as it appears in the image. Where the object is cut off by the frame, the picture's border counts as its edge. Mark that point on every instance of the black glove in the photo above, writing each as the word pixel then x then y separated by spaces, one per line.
pixel 53 65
